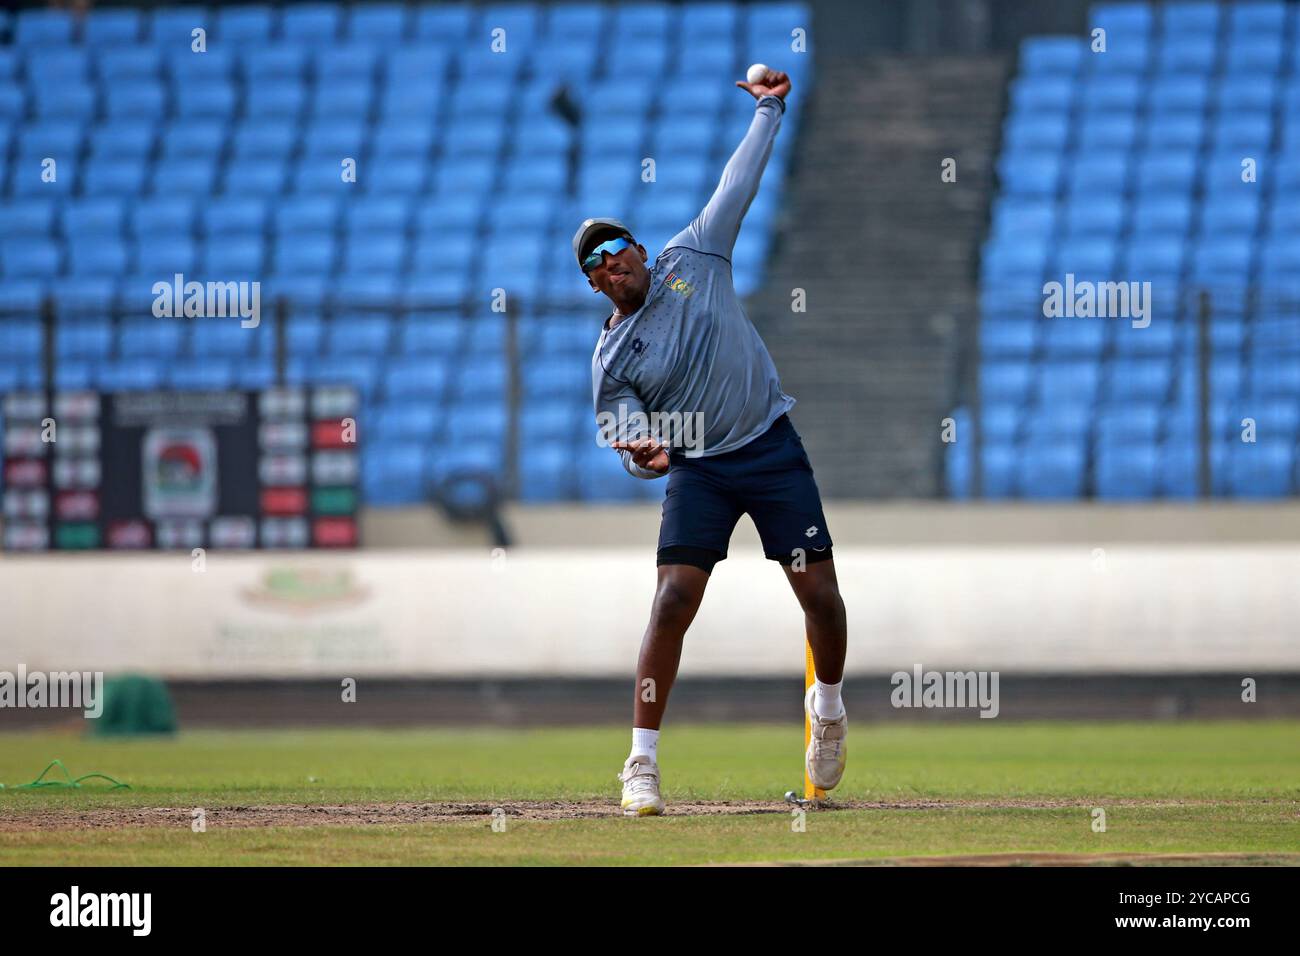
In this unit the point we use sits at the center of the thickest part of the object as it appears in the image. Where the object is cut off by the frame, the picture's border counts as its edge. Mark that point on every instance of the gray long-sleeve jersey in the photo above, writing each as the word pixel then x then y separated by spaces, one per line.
pixel 688 366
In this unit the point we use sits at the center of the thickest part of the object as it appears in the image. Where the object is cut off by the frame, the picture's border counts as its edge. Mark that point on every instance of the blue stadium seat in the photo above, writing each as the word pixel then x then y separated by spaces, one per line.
pixel 81 297
pixel 1219 257
pixel 128 64
pixel 1126 471
pixel 1071 382
pixel 97 256
pixel 402 139
pixel 1245 135
pixel 1262 469
pixel 242 24
pixel 254 177
pixel 137 99
pixel 438 336
pixel 151 338
pixel 159 216
pixel 423 378
pixel 316 23
pixel 1139 380
pixel 375 253
pixel 115 27
pixel 1253 54
pixel 1111 95
pixel 359 372
pixel 1008 338
pixel 29 258
pixel 1175 131
pixel 128 375
pixel 1258 16
pixel 1187 54
pixel 1200 18
pixel 1098 216
pixel 1075 338
pixel 480 378
pixel 22 339
pixel 275 101
pixel 48 65
pixel 64 99
pixel 1106 174
pixel 1047 56
pixel 1086 256
pixel 1037 174
pixel 273 62
pixel 1052 471
pixel 1104 133
pixel 234 256
pixel 1129 423
pixel 1178 94
pixel 1005 381
pixel 471 421
pixel 1170 215
pixel 83 339
pixel 205 373
pixel 379 22
pixel 214 340
pixel 1246 93
pixel 233 216
pixel 442 290
pixel 187 176
pixel 122 139
pixel 1015 258
pixel 28 217
pixel 403 423
pixel 1172 173
pixel 33 28
pixel 360 336
pixel 1230 215
pixel 209 100
pixel 395 474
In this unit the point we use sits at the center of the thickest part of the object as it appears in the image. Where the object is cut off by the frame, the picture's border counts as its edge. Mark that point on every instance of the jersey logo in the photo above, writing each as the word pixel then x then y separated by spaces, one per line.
pixel 679 285
pixel 638 346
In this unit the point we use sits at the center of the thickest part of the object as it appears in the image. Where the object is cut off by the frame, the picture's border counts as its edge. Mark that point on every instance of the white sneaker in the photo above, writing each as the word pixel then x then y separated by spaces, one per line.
pixel 641 788
pixel 827 751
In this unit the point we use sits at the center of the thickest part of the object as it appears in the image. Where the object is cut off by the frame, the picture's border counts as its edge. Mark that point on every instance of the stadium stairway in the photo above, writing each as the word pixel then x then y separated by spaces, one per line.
pixel 888 265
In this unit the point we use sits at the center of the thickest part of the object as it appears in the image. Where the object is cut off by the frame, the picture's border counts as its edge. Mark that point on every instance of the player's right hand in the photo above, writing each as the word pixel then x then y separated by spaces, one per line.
pixel 775 83
pixel 646 453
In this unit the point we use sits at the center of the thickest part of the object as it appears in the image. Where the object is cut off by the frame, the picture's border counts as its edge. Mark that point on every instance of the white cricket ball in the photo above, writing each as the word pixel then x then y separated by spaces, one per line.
pixel 756 73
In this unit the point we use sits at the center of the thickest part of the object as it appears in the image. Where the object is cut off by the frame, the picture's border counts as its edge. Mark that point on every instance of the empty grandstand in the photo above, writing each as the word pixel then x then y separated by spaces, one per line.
pixel 403 182
pixel 1158 147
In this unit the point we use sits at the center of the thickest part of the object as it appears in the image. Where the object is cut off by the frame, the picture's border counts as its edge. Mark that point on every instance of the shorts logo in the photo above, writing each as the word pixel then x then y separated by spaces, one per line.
pixel 811 532
pixel 678 284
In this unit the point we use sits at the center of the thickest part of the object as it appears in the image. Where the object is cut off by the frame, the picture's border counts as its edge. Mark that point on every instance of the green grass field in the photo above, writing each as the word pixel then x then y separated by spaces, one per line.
pixel 425 797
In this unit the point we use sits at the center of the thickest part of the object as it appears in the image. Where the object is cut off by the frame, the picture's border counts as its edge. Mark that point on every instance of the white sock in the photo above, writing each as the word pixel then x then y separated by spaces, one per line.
pixel 645 743
pixel 826 699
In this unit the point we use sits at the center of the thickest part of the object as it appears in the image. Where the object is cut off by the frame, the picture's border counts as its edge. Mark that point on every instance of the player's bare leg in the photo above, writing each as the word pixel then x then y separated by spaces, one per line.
pixel 677 598
pixel 818 591
pixel 826 623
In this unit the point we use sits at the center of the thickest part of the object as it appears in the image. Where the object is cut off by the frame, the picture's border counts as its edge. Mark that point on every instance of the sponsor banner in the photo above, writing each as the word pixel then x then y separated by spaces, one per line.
pixel 582 612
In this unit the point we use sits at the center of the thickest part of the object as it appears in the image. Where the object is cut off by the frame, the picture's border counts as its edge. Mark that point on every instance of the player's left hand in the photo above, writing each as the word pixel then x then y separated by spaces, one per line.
pixel 774 84
pixel 646 453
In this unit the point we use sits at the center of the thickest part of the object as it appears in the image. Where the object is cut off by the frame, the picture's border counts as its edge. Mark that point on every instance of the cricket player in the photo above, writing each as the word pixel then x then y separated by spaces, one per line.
pixel 678 347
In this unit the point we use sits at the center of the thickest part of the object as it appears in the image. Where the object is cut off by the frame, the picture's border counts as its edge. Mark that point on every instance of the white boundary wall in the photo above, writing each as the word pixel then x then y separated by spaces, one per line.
pixel 581 612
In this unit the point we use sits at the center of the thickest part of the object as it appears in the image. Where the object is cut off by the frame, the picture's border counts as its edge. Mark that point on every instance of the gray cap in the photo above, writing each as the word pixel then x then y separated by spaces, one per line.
pixel 590 226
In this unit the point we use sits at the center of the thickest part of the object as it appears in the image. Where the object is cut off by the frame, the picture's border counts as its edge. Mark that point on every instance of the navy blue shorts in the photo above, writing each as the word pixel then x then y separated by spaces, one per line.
pixel 769 479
